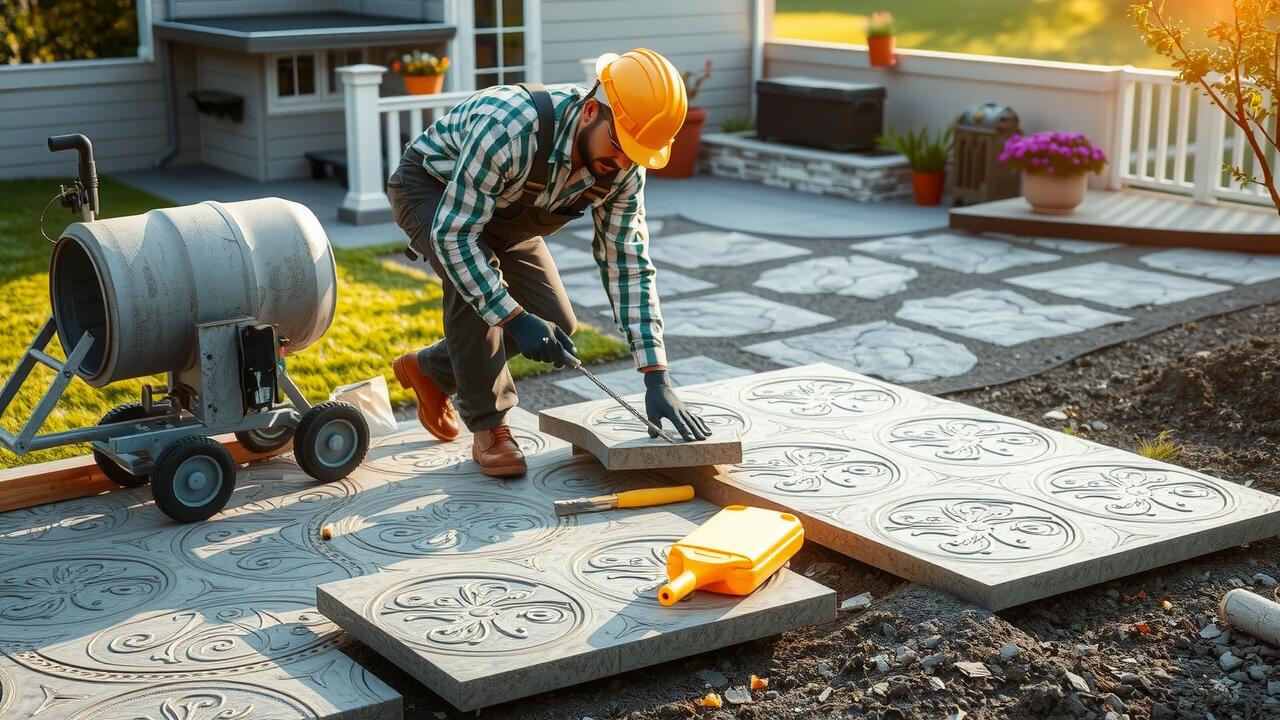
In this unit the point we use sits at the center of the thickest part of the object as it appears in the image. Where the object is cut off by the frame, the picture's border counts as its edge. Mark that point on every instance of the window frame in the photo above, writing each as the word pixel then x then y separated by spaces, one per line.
pixel 322 99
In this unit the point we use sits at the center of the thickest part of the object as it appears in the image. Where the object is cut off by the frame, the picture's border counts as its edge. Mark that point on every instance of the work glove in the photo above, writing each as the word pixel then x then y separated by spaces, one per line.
pixel 660 402
pixel 542 341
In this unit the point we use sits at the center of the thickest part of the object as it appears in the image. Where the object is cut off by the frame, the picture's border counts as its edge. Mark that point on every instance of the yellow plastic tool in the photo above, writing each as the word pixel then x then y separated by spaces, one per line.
pixel 627 499
pixel 732 553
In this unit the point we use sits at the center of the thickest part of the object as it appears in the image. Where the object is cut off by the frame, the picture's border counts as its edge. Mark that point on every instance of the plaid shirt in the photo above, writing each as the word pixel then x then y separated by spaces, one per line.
pixel 482 150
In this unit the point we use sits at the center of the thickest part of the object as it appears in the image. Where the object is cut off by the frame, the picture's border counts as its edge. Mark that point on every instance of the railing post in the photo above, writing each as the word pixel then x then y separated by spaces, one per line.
pixel 1210 124
pixel 366 200
pixel 1123 134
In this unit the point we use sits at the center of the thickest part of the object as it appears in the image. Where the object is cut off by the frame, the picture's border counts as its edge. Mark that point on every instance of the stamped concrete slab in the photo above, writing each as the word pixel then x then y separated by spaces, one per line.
pixel 714 248
pixel 730 314
pixel 570 258
pixel 655 226
pixel 110 611
pixel 1003 317
pixel 685 371
pixel 621 442
pixel 991 508
pixel 587 289
pixel 1117 285
pixel 487 596
pixel 878 348
pixel 856 276
pixel 962 253
pixel 1243 268
pixel 1075 247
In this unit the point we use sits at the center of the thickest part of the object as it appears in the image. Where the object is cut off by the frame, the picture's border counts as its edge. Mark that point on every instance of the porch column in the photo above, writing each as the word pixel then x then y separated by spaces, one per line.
pixel 366 201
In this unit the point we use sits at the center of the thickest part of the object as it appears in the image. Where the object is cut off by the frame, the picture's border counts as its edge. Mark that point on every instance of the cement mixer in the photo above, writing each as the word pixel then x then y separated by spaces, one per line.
pixel 213 295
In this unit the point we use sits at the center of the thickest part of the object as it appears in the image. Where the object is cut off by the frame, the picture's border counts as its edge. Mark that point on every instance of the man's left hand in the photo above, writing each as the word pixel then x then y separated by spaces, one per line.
pixel 660 402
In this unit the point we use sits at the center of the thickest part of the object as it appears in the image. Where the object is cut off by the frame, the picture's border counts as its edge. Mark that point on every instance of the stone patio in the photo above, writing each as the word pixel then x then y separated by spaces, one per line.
pixel 990 508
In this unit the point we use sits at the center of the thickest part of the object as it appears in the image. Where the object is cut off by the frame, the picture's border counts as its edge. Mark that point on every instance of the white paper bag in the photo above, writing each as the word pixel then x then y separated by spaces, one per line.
pixel 370 397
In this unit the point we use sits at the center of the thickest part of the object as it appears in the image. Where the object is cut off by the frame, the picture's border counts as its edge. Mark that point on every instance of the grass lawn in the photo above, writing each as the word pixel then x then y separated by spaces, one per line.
pixel 1086 31
pixel 384 309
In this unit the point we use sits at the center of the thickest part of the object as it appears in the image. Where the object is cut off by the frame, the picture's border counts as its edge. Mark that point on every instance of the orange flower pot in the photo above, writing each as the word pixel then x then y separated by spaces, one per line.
pixel 880 50
pixel 928 187
pixel 423 84
pixel 684 151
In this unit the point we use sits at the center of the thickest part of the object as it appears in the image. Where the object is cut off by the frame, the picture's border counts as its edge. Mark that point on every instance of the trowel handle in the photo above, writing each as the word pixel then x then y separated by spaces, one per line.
pixel 655 496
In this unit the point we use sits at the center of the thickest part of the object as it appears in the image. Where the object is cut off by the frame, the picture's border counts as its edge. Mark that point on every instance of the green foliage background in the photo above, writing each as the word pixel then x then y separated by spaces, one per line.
pixel 50 30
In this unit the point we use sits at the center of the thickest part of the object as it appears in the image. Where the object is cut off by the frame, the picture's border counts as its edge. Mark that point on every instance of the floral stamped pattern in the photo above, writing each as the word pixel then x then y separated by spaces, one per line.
pixel 616 420
pixel 968 441
pixel 414 453
pixel 62 591
pixel 815 470
pixel 633 569
pixel 461 522
pixel 976 528
pixel 1142 494
pixel 200 701
pixel 478 614
pixel 820 398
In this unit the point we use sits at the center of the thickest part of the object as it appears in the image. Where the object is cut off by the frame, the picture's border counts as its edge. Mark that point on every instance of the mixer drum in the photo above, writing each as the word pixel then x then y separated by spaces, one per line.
pixel 141 284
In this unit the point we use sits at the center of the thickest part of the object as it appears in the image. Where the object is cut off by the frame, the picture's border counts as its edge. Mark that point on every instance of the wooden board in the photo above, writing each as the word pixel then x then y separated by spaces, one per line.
pixel 29 485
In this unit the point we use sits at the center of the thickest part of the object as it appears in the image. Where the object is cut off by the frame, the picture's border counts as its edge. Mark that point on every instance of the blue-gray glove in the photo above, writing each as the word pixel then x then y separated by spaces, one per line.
pixel 660 402
pixel 541 341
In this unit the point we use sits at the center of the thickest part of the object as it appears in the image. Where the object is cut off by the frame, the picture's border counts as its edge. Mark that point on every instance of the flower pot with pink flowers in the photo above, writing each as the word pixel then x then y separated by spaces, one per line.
pixel 1055 168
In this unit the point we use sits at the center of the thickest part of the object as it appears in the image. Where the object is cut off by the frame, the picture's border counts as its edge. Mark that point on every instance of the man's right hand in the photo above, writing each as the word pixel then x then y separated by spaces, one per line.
pixel 541 341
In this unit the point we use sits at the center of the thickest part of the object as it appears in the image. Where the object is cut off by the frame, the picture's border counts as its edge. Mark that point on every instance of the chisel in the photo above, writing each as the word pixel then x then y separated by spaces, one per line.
pixel 627 499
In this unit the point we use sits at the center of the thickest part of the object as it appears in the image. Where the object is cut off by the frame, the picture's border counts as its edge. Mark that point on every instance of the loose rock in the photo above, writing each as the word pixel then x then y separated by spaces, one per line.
pixel 738 695
pixel 1009 652
pixel 1229 662
pixel 856 603
pixel 826 693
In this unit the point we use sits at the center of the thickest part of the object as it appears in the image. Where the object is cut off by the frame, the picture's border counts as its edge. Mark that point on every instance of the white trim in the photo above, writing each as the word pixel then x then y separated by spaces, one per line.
pixel 462 48
pixel 533 40
pixel 146 39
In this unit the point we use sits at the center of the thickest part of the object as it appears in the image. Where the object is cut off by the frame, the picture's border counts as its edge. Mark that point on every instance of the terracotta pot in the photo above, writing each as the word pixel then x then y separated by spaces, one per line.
pixel 880 50
pixel 1051 195
pixel 423 84
pixel 684 152
pixel 928 187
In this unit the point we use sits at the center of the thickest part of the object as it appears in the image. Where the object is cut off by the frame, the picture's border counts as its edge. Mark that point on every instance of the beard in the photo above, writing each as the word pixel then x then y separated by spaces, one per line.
pixel 598 167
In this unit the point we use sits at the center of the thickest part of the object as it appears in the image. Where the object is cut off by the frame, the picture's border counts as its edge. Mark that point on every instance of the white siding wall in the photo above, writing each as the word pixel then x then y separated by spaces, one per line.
pixel 933 88
pixel 687 32
pixel 236 147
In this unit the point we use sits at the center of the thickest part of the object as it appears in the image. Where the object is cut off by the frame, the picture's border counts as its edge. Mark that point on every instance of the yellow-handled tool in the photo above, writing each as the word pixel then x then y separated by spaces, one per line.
pixel 628 499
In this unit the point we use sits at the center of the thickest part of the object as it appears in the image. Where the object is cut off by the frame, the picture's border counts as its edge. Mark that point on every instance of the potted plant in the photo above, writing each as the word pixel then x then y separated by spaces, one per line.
pixel 880 38
pixel 684 152
pixel 1055 168
pixel 928 155
pixel 423 72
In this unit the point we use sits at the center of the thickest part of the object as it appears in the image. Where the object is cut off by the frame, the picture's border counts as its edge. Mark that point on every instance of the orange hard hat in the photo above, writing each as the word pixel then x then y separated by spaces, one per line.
pixel 648 99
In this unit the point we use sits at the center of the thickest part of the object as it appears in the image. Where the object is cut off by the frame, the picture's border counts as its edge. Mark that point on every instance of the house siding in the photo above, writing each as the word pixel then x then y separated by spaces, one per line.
pixel 687 32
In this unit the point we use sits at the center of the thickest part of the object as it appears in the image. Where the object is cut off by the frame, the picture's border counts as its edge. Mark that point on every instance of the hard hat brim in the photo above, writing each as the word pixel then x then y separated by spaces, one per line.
pixel 647 157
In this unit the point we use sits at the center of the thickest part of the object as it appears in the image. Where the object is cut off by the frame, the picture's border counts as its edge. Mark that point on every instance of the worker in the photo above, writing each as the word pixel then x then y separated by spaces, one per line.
pixel 477 191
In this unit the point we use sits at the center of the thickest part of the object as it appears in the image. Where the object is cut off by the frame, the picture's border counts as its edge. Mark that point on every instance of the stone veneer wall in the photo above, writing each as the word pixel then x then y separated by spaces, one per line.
pixel 857 177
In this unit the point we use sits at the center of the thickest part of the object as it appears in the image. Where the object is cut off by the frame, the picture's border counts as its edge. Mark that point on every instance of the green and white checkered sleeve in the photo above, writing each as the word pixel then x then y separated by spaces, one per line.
pixel 621 250
pixel 483 172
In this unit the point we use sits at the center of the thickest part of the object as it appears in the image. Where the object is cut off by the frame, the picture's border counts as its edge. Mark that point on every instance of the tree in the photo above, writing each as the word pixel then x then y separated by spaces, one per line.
pixel 1239 73
pixel 37 31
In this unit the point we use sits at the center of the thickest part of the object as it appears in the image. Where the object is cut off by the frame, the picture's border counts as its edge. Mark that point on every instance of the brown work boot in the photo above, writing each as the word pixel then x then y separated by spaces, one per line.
pixel 497 453
pixel 435 409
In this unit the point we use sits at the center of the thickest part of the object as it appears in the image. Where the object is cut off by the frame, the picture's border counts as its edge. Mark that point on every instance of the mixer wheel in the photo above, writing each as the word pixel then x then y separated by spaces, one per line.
pixel 193 479
pixel 331 440
pixel 265 440
pixel 115 473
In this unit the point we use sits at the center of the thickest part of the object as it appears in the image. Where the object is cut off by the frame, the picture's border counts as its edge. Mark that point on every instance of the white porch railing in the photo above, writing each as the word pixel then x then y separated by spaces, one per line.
pixel 1173 137
pixel 378 129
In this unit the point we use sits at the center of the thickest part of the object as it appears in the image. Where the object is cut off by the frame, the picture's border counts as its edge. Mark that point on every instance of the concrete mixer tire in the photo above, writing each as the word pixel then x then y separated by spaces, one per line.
pixel 193 479
pixel 265 440
pixel 331 440
pixel 115 473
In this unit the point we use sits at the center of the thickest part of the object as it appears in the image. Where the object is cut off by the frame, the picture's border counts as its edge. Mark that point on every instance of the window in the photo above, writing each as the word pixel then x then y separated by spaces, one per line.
pixel 308 81
pixel 499 42
pixel 36 33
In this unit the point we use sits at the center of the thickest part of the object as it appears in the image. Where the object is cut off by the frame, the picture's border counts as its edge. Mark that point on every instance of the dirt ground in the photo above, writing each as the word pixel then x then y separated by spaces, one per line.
pixel 1129 648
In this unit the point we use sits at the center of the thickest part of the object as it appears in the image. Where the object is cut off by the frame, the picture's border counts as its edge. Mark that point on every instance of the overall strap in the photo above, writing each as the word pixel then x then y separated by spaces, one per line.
pixel 537 179
pixel 595 193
